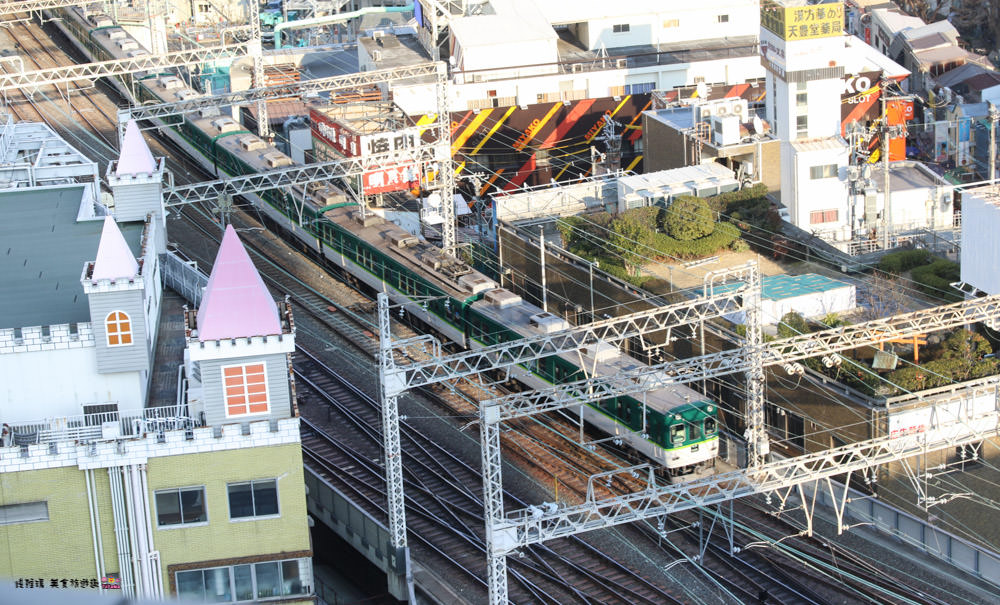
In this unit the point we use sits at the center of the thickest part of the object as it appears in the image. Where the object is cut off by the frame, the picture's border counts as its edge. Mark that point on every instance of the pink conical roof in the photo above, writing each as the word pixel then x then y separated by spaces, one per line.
pixel 114 257
pixel 236 303
pixel 135 157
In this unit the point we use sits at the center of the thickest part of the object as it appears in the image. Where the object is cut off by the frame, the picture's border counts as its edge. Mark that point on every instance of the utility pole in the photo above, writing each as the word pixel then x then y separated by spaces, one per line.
pixel 994 115
pixel 613 142
pixel 256 52
pixel 541 257
pixel 887 205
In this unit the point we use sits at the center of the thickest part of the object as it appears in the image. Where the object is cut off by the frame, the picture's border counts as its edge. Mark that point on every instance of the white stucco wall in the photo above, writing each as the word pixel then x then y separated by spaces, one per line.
pixel 44 384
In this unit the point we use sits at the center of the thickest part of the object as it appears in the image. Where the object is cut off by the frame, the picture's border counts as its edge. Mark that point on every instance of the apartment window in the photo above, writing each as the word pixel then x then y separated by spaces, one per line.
pixel 801 126
pixel 825 171
pixel 245 389
pixel 671 23
pixel 183 506
pixel 245 582
pixel 638 89
pixel 253 499
pixel 723 18
pixel 620 28
pixel 25 512
pixel 119 329
pixel 823 216
pixel 801 95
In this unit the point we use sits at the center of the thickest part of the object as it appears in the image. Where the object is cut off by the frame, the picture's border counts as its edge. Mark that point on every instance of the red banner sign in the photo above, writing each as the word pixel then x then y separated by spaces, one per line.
pixel 390 178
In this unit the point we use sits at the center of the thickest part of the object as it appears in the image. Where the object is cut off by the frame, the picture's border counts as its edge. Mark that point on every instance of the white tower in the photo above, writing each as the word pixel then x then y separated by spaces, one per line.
pixel 803 49
pixel 136 181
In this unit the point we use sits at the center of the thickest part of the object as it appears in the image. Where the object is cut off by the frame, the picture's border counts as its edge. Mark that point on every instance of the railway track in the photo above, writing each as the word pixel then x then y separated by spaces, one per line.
pixel 445 513
pixel 40 51
pixel 745 576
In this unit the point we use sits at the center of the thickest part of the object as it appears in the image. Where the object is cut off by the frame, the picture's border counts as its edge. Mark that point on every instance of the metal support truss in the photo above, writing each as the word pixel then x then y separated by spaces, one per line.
pixel 784 351
pixel 283 91
pixel 445 171
pixel 616 329
pixel 756 431
pixel 24 6
pixel 528 526
pixel 390 432
pixel 119 67
pixel 256 52
pixel 496 563
pixel 290 176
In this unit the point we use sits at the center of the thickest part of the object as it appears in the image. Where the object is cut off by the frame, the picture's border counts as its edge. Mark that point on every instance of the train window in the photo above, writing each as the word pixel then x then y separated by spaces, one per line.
pixel 694 431
pixel 677 433
pixel 711 425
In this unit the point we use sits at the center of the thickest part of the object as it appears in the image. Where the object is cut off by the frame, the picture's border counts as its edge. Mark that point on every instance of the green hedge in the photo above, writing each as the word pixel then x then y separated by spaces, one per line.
pixel 936 278
pixel 725 202
pixel 904 260
pixel 722 236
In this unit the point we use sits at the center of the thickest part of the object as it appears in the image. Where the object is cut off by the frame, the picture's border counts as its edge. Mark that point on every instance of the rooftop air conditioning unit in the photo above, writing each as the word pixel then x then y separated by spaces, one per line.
pixel 208 112
pixel 722 110
pixel 621 63
pixel 403 240
pixel 475 283
pixel 225 124
pixel 376 55
pixel 276 159
pixel 326 197
pixel 577 67
pixel 116 34
pixel 170 82
pixel 251 143
pixel 501 298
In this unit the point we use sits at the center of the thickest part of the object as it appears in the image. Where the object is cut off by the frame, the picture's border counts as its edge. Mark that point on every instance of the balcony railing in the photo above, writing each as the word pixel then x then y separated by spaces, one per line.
pixel 86 428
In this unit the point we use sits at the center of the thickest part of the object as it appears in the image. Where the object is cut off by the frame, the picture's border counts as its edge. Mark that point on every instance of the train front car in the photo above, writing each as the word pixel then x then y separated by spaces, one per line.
pixel 675 426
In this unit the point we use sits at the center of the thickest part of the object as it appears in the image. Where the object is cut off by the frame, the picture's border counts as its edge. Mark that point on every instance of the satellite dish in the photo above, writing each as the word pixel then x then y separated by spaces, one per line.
pixel 702 89
pixel 758 125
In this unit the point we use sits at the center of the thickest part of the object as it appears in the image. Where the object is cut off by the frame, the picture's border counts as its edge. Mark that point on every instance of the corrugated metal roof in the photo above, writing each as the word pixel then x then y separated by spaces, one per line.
pixel 780 287
pixel 42 252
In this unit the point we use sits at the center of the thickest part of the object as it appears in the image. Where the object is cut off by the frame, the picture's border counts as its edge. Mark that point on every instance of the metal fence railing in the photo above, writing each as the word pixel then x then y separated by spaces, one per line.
pixel 183 276
pixel 101 425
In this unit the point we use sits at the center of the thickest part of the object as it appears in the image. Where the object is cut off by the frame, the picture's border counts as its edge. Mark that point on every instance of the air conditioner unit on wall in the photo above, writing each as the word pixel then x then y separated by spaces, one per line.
pixel 722 110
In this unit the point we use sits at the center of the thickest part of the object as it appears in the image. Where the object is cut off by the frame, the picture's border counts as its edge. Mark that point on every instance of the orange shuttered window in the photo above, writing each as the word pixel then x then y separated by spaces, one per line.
pixel 119 329
pixel 246 389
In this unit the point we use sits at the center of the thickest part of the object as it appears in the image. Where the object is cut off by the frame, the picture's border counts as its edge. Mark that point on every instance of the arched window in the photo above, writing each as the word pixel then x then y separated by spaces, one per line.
pixel 119 329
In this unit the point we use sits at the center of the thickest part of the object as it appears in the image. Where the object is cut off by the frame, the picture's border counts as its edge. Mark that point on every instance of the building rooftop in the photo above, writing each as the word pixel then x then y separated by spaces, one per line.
pixel 236 302
pixel 865 58
pixel 513 22
pixel 827 144
pixel 46 248
pixel 31 153
pixel 960 74
pixel 396 51
pixel 907 175
pixel 780 287
pixel 943 28
pixel 896 21
pixel 642 55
